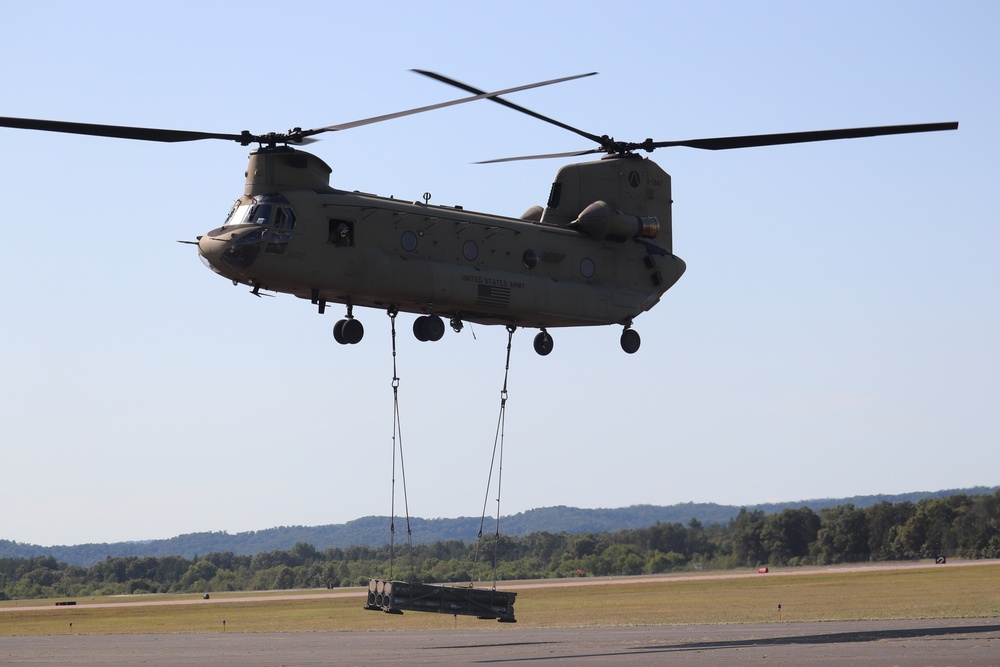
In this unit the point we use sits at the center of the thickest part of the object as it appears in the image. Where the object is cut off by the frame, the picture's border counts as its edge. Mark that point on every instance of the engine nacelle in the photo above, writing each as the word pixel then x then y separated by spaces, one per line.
pixel 601 221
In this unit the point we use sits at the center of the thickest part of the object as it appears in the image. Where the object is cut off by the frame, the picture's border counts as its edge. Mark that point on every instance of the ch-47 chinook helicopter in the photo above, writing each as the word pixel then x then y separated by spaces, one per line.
pixel 599 253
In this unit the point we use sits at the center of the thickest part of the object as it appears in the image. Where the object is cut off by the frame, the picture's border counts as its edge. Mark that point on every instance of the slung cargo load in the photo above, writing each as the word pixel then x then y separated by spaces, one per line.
pixel 395 597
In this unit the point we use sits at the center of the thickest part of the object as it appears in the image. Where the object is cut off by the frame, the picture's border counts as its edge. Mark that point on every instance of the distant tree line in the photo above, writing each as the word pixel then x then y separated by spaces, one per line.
pixel 958 525
pixel 373 530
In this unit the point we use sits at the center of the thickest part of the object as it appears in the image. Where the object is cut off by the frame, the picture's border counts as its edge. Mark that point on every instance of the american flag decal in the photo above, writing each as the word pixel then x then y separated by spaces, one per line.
pixel 491 295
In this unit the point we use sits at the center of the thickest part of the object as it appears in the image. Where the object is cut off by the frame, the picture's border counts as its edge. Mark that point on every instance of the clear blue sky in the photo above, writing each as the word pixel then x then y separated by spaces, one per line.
pixel 835 334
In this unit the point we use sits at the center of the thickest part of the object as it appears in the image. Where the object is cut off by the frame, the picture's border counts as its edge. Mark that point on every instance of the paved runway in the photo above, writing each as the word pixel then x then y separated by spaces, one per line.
pixel 902 643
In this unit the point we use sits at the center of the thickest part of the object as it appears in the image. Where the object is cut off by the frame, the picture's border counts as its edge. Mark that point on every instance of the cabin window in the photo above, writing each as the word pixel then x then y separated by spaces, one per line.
pixel 408 241
pixel 470 250
pixel 530 259
pixel 341 233
pixel 587 267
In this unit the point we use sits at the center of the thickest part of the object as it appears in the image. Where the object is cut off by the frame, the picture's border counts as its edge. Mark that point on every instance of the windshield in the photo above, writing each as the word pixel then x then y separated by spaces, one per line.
pixel 266 211
pixel 263 210
pixel 259 214
pixel 238 215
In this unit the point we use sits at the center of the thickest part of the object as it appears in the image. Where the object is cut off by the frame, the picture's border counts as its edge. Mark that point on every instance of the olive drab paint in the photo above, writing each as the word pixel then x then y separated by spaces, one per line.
pixel 601 254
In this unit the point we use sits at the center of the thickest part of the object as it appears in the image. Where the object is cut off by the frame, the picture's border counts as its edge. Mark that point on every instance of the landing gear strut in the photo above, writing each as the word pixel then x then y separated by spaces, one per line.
pixel 543 343
pixel 348 331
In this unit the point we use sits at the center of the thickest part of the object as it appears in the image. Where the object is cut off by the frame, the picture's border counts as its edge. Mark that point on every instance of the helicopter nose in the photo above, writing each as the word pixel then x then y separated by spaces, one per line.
pixel 210 249
pixel 232 251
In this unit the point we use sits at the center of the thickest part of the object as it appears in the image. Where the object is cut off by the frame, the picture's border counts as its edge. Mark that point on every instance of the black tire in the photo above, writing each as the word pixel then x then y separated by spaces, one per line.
pixel 420 329
pixel 338 332
pixel 630 341
pixel 543 343
pixel 434 327
pixel 353 331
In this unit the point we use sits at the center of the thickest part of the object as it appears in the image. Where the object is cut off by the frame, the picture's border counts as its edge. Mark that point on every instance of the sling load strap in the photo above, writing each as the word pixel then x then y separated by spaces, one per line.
pixel 497 459
pixel 397 433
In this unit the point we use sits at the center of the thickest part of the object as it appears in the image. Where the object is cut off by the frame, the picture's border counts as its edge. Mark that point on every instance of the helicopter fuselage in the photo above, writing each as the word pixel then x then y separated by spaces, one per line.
pixel 292 233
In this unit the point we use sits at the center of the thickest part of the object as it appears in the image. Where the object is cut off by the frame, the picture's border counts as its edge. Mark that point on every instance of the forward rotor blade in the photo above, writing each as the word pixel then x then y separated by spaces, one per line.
pixel 511 105
pixel 479 96
pixel 244 138
pixel 751 141
pixel 114 131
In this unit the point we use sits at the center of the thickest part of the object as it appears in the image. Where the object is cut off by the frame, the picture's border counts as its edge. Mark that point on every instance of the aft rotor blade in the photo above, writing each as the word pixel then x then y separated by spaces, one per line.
pixel 479 96
pixel 751 141
pixel 511 105
pixel 543 157
pixel 115 131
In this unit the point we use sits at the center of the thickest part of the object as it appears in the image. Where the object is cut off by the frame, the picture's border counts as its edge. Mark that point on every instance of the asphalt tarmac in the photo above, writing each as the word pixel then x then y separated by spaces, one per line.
pixel 902 643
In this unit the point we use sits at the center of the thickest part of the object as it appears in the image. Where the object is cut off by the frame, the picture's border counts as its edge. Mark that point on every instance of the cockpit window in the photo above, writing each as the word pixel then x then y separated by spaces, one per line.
pixel 272 210
pixel 277 243
pixel 259 214
pixel 232 213
pixel 284 218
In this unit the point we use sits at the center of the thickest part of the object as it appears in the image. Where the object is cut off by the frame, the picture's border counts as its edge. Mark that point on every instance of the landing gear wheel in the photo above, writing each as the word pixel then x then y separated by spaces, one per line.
pixel 543 343
pixel 428 328
pixel 420 329
pixel 348 332
pixel 630 341
pixel 354 331
pixel 434 327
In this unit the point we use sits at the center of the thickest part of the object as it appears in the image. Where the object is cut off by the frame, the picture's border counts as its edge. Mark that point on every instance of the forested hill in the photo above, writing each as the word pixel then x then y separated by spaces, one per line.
pixel 373 531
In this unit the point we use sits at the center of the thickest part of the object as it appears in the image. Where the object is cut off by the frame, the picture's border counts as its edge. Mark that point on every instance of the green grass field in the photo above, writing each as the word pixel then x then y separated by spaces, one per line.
pixel 948 591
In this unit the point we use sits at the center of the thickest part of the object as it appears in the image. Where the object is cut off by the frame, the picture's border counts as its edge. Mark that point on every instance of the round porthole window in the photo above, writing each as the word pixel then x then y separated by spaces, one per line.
pixel 587 267
pixel 470 250
pixel 530 259
pixel 409 241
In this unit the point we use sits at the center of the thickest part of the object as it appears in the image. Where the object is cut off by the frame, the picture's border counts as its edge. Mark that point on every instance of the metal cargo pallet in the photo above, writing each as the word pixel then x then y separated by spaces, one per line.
pixel 395 597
